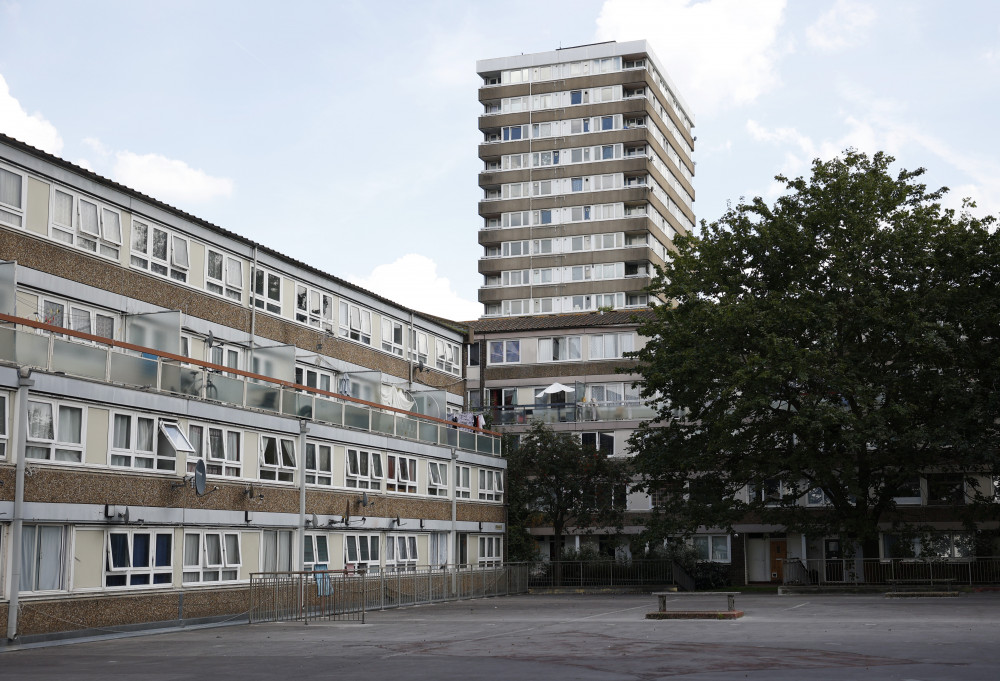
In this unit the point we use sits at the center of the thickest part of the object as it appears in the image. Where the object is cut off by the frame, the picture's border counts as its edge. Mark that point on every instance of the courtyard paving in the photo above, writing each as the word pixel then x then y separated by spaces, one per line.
pixel 571 637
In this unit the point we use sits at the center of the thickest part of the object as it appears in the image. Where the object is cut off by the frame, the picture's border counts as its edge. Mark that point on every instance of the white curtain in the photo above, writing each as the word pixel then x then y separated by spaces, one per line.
pixel 270 551
pixel 70 424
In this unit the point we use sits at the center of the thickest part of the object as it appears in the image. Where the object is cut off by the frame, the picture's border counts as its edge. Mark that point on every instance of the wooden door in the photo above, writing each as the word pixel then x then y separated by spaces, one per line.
pixel 779 548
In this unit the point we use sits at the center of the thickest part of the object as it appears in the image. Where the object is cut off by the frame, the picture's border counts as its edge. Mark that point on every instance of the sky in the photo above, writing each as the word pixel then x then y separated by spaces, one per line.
pixel 344 134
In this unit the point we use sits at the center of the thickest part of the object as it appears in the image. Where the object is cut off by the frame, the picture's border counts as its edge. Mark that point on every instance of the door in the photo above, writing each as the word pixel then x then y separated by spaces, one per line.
pixel 779 549
pixel 833 554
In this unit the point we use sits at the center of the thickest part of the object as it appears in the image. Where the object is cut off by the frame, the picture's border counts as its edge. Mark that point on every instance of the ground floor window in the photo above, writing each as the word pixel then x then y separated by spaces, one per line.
pixel 713 547
pixel 317 552
pixel 401 553
pixel 139 558
pixel 211 556
pixel 361 552
pixel 489 551
pixel 43 557
pixel 276 551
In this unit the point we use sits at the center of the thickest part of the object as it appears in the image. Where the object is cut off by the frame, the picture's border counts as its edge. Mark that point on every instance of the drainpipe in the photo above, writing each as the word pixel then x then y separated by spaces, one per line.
pixel 253 309
pixel 24 382
pixel 410 338
pixel 453 539
pixel 303 429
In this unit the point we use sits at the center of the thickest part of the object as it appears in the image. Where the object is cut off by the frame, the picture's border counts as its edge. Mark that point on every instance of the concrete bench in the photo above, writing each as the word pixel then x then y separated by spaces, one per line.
pixel 661 597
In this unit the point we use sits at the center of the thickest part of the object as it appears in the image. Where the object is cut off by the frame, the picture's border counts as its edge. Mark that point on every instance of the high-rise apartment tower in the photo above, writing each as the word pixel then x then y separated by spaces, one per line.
pixel 587 178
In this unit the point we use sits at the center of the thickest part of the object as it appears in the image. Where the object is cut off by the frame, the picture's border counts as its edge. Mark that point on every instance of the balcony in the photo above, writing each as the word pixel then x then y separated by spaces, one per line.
pixel 58 350
pixel 570 412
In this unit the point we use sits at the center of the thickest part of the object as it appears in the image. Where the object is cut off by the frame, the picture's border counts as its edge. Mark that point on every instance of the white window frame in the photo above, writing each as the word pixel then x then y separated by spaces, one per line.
pixel 363 469
pixel 174 265
pixel 401 474
pixel 401 553
pixel 449 356
pixel 283 469
pixel 505 351
pixel 261 295
pixel 356 546
pixel 76 317
pixel 599 345
pixel 389 329
pixel 547 346
pixel 130 571
pixel 4 425
pixel 490 551
pixel 418 346
pixel 33 530
pixel 314 377
pixel 276 562
pixel 490 485
pixel 104 240
pixel 230 284
pixel 318 471
pixel 204 569
pixel 706 545
pixel 463 482
pixel 12 215
pixel 316 550
pixel 56 449
pixel 159 459
pixel 230 464
pixel 320 319
pixel 437 478
pixel 355 323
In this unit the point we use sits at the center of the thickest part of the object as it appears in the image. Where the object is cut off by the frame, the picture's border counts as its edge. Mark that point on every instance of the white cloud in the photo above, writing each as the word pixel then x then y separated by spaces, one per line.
pixel 32 129
pixel 413 281
pixel 843 25
pixel 96 146
pixel 720 52
pixel 168 179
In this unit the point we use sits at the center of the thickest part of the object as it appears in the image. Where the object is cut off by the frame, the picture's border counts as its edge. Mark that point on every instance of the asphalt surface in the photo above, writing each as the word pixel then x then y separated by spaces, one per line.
pixel 571 637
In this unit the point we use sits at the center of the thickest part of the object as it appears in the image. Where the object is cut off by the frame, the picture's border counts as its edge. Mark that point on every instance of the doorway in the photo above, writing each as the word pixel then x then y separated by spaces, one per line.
pixel 779 550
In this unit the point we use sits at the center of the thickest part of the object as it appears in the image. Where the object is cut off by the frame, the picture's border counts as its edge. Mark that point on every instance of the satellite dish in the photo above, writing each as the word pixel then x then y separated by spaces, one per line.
pixel 211 340
pixel 199 477
pixel 364 498
pixel 315 520
pixel 124 516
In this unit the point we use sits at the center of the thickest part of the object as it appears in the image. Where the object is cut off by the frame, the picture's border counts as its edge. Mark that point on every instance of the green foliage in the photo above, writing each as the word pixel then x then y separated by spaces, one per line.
pixel 843 339
pixel 555 480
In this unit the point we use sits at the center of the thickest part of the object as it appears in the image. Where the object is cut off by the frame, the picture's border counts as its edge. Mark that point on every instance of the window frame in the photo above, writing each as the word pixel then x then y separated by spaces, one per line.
pixel 105 245
pixel 365 460
pixel 281 470
pixel 315 473
pixel 346 322
pixel 400 478
pixel 490 485
pixel 401 553
pixel 508 348
pixel 204 568
pixel 225 467
pixel 439 470
pixel 371 564
pixel 319 320
pixel 390 344
pixel 264 300
pixel 710 540
pixel 223 287
pixel 162 462
pixel 17 211
pixel 490 551
pixel 130 571
pixel 165 267
pixel 311 545
pixel 36 561
pixel 54 445
pixel 463 482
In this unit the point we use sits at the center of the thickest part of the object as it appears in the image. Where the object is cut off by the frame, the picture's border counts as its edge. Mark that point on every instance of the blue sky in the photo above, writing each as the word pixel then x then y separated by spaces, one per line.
pixel 344 133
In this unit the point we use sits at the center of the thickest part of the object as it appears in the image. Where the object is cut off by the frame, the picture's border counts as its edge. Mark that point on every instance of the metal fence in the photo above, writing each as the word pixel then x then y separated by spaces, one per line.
pixel 346 595
pixel 875 571
pixel 602 573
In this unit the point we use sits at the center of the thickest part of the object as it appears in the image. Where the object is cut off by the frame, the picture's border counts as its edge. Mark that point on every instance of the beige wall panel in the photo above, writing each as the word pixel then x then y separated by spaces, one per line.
pixel 124 253
pixel 88 559
pixel 249 553
pixel 37 213
pixel 339 464
pixel 251 456
pixel 196 273
pixel 337 551
pixel 27 304
pixel 423 550
pixel 97 436
pixel 287 296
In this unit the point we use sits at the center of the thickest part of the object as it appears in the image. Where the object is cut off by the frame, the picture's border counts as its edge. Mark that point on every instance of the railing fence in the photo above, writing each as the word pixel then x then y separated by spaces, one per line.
pixel 876 571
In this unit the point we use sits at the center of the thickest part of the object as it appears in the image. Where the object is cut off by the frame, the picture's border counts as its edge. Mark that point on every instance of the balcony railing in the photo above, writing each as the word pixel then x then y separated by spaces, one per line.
pixel 83 355
pixel 571 412
pixel 940 572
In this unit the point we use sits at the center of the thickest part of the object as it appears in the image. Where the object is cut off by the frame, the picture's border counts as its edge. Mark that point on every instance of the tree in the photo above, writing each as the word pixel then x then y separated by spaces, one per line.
pixel 553 479
pixel 842 341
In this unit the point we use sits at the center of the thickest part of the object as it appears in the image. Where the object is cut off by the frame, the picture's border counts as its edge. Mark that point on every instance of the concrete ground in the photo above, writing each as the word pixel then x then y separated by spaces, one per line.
pixel 571 637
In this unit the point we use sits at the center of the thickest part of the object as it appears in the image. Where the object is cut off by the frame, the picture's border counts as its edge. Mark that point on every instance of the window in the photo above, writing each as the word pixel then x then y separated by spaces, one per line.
pixel 55 431
pixel 438 549
pixel 139 558
pixel 84 223
pixel 401 474
pixel 474 354
pixel 602 442
pixel 11 198
pixel 156 250
pixel 316 551
pixel 392 336
pixel 418 346
pixel 945 489
pixel 3 425
pixel 505 352
pixel 276 550
pixel 355 323
pixel 43 557
pixel 319 464
pixel 224 275
pixel 449 356
pixel 364 469
pixel 559 349
pixel 226 356
pixel 610 345
pixel 437 479
pixel 135 442
pixel 929 545
pixel 816 497
pixel 267 290
pixel 713 548
pixel 361 552
pixel 769 491
pixel 463 485
pixel 909 492
pixel 277 458
pixel 490 485
pixel 221 448
pixel 312 377
pixel 314 307
pixel 211 557
pixel 489 551
pixel 400 553
pixel 70 315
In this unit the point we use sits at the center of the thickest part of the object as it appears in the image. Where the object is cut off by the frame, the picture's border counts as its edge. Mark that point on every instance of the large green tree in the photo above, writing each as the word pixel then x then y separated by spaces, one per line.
pixel 555 480
pixel 843 340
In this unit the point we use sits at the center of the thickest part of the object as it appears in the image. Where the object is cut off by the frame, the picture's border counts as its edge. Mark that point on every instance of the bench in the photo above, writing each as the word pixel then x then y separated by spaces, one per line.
pixel 661 597
pixel 948 582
